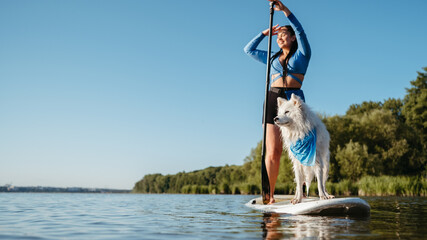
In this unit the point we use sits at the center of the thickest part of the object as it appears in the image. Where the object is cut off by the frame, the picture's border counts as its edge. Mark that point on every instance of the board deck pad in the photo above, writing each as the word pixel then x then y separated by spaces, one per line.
pixel 351 206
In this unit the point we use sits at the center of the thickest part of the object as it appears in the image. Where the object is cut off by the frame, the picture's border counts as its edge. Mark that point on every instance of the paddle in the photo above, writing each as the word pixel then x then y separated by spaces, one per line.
pixel 265 183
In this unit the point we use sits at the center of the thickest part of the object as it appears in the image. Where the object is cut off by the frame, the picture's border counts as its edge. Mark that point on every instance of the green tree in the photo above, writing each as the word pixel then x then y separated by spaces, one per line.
pixel 415 111
pixel 395 106
pixel 341 131
pixel 358 109
pixel 355 161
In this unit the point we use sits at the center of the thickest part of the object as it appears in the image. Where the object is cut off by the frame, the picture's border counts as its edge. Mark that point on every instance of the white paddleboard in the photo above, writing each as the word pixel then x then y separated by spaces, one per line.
pixel 351 206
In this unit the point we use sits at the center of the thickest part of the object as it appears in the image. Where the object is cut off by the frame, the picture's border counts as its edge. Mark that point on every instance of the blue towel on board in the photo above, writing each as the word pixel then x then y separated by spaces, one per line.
pixel 305 149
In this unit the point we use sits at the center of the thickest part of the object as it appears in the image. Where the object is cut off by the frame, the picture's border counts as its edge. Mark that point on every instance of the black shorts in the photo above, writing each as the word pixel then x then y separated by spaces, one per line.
pixel 273 94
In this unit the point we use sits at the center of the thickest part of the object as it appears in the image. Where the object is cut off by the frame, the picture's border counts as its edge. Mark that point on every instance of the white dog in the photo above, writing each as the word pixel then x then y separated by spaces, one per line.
pixel 307 141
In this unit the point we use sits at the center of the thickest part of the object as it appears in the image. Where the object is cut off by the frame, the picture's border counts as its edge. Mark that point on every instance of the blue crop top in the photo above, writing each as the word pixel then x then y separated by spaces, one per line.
pixel 298 63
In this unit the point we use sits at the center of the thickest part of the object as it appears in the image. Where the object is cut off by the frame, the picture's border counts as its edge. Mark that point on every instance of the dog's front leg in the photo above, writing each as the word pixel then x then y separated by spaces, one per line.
pixel 299 179
pixel 309 174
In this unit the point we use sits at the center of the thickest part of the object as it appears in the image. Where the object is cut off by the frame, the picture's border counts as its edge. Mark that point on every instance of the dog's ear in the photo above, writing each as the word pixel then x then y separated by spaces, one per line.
pixel 280 101
pixel 296 100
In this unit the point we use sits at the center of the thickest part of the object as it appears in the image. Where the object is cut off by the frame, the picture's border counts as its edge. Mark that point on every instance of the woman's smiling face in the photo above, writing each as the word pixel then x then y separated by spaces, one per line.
pixel 285 38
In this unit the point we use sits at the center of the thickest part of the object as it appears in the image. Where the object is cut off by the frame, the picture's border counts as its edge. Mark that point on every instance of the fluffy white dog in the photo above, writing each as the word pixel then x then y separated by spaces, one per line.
pixel 307 141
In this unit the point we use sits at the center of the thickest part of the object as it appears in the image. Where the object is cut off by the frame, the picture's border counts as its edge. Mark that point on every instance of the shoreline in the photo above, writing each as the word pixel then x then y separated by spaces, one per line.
pixel 40 189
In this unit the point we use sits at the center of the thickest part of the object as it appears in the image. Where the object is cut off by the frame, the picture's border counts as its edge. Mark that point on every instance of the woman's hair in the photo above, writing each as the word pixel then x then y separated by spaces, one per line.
pixel 293 49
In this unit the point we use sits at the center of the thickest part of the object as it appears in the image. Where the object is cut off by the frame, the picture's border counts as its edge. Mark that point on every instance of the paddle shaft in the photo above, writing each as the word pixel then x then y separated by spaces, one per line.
pixel 265 183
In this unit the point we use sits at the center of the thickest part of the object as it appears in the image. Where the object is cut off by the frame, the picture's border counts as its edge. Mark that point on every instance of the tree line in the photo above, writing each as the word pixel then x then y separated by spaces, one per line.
pixel 373 141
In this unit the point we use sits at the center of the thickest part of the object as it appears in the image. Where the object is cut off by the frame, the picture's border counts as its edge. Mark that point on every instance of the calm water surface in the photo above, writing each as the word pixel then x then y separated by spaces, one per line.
pixel 134 216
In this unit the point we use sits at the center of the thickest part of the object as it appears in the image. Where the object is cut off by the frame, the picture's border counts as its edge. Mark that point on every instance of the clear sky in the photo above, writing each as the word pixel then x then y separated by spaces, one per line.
pixel 99 93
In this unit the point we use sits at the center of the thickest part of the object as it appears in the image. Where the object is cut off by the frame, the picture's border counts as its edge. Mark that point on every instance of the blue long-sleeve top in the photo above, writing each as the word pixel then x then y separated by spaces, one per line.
pixel 298 63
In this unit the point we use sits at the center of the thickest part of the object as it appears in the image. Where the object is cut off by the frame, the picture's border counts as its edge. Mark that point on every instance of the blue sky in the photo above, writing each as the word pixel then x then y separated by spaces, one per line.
pixel 100 93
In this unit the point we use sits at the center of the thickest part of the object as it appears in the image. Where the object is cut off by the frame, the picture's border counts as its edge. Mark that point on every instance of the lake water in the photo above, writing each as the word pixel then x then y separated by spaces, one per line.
pixel 164 216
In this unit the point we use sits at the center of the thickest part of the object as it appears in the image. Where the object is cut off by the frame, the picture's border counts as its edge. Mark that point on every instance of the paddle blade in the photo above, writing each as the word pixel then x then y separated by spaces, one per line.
pixel 265 183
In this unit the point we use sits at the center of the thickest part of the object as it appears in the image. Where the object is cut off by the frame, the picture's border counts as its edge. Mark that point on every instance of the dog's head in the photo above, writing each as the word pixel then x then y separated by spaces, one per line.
pixel 289 112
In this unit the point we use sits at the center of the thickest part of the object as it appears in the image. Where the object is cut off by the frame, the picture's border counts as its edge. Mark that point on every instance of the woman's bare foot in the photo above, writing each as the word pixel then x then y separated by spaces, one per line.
pixel 272 200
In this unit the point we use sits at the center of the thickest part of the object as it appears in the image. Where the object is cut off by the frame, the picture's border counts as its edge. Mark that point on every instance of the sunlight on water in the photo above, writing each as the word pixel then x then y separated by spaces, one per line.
pixel 134 216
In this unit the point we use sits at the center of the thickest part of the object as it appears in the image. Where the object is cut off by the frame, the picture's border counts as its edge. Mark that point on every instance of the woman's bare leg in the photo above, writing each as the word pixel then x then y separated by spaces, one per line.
pixel 272 156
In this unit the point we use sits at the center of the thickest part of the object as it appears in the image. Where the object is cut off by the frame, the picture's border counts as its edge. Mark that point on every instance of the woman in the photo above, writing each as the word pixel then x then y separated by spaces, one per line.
pixel 288 68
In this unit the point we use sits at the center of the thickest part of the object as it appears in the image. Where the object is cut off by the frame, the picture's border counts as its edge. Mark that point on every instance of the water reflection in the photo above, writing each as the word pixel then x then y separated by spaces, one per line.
pixel 399 217
pixel 280 226
pixel 271 226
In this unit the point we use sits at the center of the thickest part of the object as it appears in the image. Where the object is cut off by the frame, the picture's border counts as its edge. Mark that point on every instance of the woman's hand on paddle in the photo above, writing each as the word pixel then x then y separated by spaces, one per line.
pixel 279 6
pixel 274 32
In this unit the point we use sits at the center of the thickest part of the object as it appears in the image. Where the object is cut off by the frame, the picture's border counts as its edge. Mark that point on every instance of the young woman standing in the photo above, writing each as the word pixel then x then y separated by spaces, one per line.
pixel 288 68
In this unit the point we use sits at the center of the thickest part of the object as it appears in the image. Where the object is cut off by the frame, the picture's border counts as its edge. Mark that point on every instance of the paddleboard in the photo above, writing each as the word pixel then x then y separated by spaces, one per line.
pixel 351 206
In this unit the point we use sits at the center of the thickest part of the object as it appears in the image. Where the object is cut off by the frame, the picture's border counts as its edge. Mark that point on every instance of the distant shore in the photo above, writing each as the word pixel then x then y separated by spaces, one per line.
pixel 40 189
pixel 366 186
